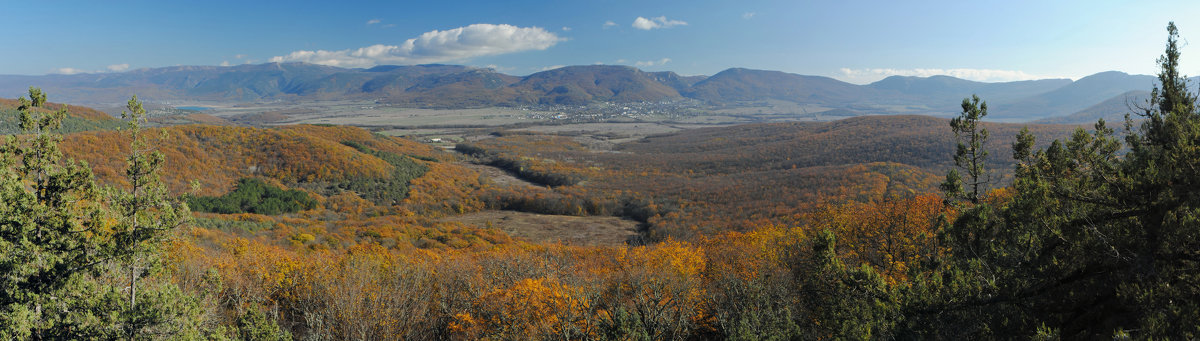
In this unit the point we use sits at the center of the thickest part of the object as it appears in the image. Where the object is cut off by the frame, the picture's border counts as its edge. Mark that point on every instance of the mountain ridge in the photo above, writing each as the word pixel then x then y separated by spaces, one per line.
pixel 458 86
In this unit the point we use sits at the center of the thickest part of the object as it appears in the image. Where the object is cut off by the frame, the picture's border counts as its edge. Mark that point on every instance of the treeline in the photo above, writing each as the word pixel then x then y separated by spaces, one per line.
pixel 579 202
pixel 389 190
pixel 252 195
pixel 523 167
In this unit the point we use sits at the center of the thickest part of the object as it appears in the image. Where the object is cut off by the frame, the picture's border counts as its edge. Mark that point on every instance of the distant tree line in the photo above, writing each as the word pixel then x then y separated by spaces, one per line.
pixel 522 168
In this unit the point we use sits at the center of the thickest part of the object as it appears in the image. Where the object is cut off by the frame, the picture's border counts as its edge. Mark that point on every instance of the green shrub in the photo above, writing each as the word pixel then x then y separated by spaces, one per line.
pixel 254 196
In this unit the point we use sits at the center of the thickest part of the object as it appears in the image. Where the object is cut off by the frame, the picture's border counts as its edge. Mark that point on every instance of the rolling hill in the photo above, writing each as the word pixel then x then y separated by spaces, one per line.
pixel 737 85
pixel 584 84
pixel 78 118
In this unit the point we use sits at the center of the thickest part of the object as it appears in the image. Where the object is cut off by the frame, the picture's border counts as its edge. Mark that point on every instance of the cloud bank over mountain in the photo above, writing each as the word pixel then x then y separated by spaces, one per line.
pixel 435 46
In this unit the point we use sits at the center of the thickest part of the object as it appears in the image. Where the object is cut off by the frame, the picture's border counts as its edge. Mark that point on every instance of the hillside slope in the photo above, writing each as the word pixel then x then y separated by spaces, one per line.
pixel 1112 110
pixel 584 84
pixel 920 141
pixel 734 85
pixel 79 118
pixel 1072 98
pixel 217 156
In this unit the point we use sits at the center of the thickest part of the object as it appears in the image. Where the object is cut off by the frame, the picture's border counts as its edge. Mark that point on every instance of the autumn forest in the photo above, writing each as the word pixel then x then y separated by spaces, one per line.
pixel 867 227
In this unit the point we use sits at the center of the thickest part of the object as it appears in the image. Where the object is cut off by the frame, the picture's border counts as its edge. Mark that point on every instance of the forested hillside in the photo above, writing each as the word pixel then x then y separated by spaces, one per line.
pixel 78 119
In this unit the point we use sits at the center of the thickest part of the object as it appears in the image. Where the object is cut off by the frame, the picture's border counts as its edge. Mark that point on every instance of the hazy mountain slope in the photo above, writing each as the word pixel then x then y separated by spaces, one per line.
pixel 675 81
pixel 582 84
pixel 937 89
pixel 1112 110
pixel 468 88
pixel 456 86
pixel 241 83
pixel 1072 98
pixel 737 84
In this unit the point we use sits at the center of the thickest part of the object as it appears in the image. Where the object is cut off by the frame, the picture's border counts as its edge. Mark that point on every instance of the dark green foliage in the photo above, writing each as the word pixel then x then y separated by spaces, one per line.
pixel 9 123
pixel 387 191
pixel 255 196
pixel 970 154
pixel 423 158
pixel 42 257
pixel 255 325
pixel 842 302
pixel 1093 244
pixel 623 326
pixel 71 256
pixel 146 216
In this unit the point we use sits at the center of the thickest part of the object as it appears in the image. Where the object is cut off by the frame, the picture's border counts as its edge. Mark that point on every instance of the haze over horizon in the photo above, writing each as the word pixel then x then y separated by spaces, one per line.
pixel 857 42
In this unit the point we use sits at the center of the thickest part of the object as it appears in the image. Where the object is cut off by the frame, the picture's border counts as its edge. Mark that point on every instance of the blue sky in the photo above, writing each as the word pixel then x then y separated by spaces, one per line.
pixel 856 41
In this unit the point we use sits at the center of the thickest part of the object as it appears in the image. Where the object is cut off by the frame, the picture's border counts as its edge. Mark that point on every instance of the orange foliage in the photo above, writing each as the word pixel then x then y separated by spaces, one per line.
pixel 73 110
pixel 217 156
pixel 890 235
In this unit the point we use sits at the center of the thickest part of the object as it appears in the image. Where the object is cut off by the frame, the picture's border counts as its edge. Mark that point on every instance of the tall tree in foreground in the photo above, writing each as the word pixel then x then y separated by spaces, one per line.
pixel 64 243
pixel 1091 244
pixel 147 217
pixel 51 233
pixel 969 155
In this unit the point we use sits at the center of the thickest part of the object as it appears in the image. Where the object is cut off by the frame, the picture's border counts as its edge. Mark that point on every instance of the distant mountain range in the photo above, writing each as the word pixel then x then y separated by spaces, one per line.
pixel 454 86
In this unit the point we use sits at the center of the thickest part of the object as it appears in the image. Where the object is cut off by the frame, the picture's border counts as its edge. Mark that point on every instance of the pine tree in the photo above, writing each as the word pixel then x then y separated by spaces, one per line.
pixel 969 155
pixel 61 252
pixel 147 217
pixel 1093 243
pixel 52 233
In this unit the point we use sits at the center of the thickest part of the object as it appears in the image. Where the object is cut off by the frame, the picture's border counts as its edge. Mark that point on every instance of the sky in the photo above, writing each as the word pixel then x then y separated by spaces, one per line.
pixel 853 41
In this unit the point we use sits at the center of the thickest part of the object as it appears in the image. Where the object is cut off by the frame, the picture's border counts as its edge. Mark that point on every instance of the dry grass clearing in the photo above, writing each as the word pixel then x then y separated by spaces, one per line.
pixel 570 230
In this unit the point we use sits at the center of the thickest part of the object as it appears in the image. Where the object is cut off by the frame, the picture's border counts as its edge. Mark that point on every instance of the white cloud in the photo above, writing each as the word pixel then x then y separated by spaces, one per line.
pixel 566 29
pixel 748 15
pixel 435 46
pixel 652 62
pixel 552 67
pixel 373 21
pixel 225 63
pixel 239 56
pixel 118 67
pixel 981 75
pixel 659 22
pixel 609 23
pixel 499 68
pixel 68 71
